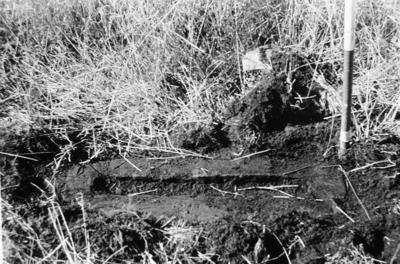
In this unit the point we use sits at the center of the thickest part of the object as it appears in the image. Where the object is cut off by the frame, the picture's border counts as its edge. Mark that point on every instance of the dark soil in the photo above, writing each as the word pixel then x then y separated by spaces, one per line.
pixel 230 198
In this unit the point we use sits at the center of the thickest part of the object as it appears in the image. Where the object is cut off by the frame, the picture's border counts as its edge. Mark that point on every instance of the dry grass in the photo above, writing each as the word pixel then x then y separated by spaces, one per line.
pixel 98 67
pixel 350 255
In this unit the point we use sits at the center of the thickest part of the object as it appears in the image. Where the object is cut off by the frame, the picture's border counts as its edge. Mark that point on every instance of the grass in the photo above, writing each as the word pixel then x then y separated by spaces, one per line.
pixel 351 254
pixel 134 75
pixel 108 68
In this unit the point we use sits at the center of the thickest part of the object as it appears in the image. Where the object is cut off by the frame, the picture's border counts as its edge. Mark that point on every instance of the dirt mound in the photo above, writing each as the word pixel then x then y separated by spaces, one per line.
pixel 263 110
pixel 287 95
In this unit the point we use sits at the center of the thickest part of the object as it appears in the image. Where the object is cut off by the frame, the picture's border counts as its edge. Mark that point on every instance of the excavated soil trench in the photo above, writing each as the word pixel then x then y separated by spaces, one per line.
pixel 285 197
pixel 278 196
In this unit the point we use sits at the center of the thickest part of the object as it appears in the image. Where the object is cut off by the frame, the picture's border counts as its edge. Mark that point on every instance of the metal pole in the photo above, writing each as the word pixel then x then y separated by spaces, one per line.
pixel 349 26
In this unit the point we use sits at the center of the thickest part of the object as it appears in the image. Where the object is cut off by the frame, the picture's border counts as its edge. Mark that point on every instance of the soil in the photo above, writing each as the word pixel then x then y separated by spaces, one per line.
pixel 285 198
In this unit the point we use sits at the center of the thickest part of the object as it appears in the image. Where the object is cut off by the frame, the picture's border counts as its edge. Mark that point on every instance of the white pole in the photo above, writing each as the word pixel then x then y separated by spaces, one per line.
pixel 349 36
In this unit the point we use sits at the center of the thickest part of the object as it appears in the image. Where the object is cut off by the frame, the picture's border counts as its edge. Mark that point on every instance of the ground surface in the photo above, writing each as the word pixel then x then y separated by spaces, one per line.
pixel 231 199
pixel 266 188
pixel 226 197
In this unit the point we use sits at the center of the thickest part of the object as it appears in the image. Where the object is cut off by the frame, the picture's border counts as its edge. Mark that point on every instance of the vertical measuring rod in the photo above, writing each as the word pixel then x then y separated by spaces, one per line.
pixel 349 36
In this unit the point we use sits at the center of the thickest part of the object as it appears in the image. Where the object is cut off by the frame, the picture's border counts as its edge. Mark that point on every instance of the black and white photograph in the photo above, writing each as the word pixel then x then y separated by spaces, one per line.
pixel 200 131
